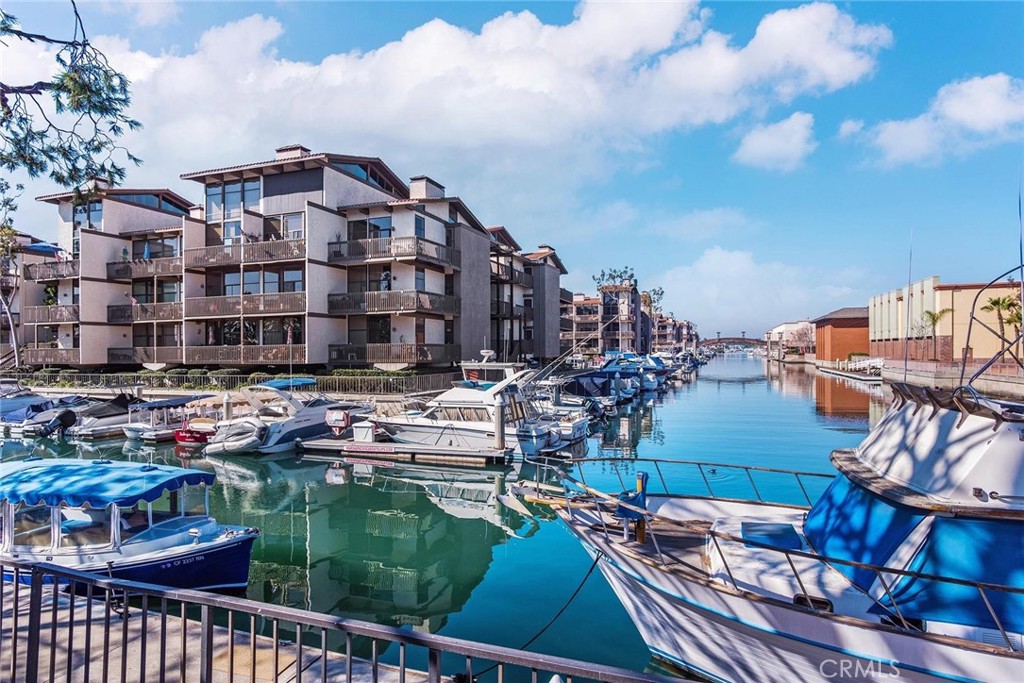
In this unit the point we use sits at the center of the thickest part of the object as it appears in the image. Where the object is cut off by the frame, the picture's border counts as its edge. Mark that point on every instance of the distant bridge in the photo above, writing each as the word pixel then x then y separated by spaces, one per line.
pixel 711 341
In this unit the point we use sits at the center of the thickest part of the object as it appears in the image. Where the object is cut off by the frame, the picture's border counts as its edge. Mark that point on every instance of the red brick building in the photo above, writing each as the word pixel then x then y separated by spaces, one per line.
pixel 841 333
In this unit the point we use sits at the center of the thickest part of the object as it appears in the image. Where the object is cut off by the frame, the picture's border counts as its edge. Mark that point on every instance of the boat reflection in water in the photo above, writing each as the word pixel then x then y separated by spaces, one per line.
pixel 394 544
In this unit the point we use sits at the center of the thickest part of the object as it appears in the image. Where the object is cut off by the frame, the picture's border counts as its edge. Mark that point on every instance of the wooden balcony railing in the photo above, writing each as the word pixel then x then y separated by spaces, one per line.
pixel 357 251
pixel 212 306
pixel 8 282
pixel 55 270
pixel 400 301
pixel 51 356
pixel 127 270
pixel 145 354
pixel 246 355
pixel 140 313
pixel 409 354
pixel 269 304
pixel 249 252
pixel 51 314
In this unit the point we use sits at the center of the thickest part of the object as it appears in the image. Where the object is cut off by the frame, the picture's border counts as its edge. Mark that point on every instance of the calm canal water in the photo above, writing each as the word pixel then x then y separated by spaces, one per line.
pixel 429 549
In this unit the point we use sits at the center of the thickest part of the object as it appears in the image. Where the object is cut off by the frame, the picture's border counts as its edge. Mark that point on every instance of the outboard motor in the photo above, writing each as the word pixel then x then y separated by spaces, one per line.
pixel 62 421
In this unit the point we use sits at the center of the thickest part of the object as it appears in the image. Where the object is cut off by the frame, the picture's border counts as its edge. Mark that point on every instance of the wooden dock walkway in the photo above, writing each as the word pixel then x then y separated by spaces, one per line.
pixel 81 641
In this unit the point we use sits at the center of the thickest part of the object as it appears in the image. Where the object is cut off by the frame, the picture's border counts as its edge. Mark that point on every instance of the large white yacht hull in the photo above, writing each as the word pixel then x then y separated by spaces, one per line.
pixel 460 435
pixel 726 637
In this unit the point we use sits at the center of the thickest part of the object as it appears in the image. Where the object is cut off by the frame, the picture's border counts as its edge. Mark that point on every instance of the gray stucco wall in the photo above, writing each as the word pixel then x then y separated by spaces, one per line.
pixel 473 284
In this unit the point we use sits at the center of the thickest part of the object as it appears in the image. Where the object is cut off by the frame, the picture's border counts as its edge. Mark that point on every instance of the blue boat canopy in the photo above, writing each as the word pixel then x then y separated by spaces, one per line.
pixel 292 383
pixel 96 482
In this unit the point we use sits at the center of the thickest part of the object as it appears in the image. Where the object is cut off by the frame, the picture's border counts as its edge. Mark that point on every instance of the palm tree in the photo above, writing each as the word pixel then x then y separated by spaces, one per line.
pixel 1003 307
pixel 1014 319
pixel 932 319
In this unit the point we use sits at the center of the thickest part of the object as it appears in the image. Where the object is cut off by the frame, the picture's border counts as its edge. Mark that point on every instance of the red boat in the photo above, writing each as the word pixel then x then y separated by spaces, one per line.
pixel 195 432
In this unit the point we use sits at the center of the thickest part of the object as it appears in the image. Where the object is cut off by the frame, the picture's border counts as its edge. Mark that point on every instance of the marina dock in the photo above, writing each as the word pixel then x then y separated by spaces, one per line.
pixel 329 450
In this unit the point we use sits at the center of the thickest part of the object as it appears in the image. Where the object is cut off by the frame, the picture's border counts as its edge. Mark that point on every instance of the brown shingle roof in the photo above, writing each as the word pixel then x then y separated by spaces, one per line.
pixel 848 313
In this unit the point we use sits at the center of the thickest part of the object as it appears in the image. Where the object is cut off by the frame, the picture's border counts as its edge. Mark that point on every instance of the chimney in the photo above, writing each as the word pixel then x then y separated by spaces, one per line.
pixel 545 246
pixel 422 187
pixel 291 152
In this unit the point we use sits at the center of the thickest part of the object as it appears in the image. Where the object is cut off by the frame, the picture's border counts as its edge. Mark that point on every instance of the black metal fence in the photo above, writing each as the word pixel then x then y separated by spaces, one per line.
pixel 63 625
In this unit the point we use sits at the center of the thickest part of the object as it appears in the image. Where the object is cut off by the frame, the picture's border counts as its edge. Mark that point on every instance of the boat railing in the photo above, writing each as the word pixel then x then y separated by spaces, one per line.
pixel 60 623
pixel 1007 345
pixel 884 600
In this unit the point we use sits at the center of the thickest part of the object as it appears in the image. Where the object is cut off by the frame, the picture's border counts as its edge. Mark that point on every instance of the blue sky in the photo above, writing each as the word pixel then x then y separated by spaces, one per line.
pixel 761 161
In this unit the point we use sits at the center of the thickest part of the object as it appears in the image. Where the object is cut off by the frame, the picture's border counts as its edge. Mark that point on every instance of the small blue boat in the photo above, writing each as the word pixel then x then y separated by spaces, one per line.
pixel 132 521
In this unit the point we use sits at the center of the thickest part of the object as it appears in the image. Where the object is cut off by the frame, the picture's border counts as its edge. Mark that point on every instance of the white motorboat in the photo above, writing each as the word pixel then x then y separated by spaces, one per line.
pixel 156 421
pixel 476 414
pixel 279 419
pixel 104 420
pixel 910 565
pixel 133 521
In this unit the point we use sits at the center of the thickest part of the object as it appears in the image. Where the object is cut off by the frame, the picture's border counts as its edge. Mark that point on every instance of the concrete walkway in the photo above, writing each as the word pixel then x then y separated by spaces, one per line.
pixel 78 643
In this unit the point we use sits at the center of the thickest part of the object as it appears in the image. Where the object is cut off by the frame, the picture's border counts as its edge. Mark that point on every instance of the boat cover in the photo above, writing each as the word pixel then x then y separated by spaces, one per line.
pixel 976 550
pixel 169 402
pixel 96 482
pixel 292 383
pixel 851 523
pixel 115 406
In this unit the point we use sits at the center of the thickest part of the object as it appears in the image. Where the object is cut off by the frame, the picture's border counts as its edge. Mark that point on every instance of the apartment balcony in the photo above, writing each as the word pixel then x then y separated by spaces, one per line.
pixel 390 248
pixel 400 301
pixel 123 314
pixel 213 306
pixel 250 252
pixel 523 278
pixel 501 309
pixel 277 354
pixel 51 356
pixel 51 314
pixel 518 311
pixel 145 354
pixel 8 282
pixel 565 324
pixel 408 354
pixel 55 270
pixel 128 270
pixel 586 318
pixel 501 272
pixel 273 304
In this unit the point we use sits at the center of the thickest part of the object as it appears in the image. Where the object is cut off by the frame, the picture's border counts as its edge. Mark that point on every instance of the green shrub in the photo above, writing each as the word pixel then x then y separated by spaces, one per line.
pixel 224 372
pixel 68 371
pixel 344 372
pixel 856 354
pixel 198 372
pixel 178 372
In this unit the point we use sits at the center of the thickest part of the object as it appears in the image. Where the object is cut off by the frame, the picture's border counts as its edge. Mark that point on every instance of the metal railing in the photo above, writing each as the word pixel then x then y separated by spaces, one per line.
pixel 67 625
pixel 521 277
pixel 340 354
pixel 501 271
pixel 51 356
pixel 146 354
pixel 248 252
pixel 246 355
pixel 399 301
pixel 127 270
pixel 215 306
pixel 883 598
pixel 281 302
pixel 392 248
pixel 55 270
pixel 140 313
pixel 51 314
pixel 501 309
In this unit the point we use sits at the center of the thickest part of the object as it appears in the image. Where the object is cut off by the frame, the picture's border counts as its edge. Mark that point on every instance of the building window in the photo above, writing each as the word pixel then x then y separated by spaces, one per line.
pixel 88 215
pixel 528 302
pixel 76 294
pixel 271 282
pixel 142 335
pixel 232 284
pixel 421 280
pixel 214 202
pixel 251 282
pixel 293 226
pixel 453 214
pixel 163 247
pixel 251 195
pixel 284 227
pixel 421 227
pixel 232 199
pixel 232 233
pixel 168 334
pixel 292 280
pixel 142 291
pixel 357 230
pixel 449 331
pixel 168 291
pixel 380 227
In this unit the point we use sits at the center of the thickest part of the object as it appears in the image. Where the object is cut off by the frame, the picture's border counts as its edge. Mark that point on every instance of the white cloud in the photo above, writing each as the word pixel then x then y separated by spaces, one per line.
pixel 963 117
pixel 732 291
pixel 781 146
pixel 144 12
pixel 849 128
pixel 516 118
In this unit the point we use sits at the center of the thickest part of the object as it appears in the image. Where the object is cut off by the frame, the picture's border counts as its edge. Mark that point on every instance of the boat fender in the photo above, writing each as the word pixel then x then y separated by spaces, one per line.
pixel 194 533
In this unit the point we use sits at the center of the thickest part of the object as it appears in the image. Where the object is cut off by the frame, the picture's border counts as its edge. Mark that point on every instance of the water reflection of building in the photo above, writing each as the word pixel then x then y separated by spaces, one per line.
pixel 838 398
pixel 791 379
pixel 621 434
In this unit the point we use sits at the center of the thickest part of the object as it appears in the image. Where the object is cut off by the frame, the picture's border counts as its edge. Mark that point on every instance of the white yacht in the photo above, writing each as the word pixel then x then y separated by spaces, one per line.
pixel 910 565
pixel 475 414
pixel 279 419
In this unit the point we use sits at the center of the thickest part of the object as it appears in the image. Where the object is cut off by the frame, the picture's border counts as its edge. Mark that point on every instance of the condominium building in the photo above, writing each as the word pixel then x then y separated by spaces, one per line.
pixel 584 338
pixel 304 259
pixel 543 299
pixel 670 335
pixel 15 294
pixel 565 321
pixel 114 295
pixel 622 324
